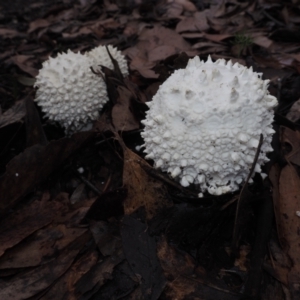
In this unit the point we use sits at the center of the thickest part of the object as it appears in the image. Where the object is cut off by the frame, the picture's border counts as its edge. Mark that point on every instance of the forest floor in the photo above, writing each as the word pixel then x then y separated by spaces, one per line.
pixel 86 217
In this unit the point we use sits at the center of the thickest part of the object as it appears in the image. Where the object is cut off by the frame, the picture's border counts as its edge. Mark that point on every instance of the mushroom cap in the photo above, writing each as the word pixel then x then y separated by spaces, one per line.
pixel 204 124
pixel 100 57
pixel 68 91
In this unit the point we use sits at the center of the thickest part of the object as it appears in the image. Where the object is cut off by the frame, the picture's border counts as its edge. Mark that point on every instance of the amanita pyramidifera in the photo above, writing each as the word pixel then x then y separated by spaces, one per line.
pixel 204 124
pixel 69 92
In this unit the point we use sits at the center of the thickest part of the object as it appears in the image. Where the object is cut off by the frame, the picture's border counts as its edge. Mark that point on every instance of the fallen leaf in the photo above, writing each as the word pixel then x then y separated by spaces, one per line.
pixel 195 23
pixel 264 61
pixel 217 37
pixel 65 287
pixel 27 81
pixel 143 190
pixel 34 130
pixel 40 247
pixel 189 280
pixel 25 63
pixel 122 113
pixel 107 205
pixel 294 113
pixel 31 282
pixel 34 165
pixel 9 33
pixel 140 251
pixel 173 10
pixel 106 236
pixel 161 52
pixel 92 281
pixel 287 214
pixel 143 66
pixel 262 41
pixel 186 4
pixel 21 224
pixel 15 114
pixel 37 24
pixel 149 40
pixel 291 138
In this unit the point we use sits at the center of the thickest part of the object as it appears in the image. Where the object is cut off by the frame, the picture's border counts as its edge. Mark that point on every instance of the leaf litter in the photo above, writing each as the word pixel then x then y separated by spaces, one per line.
pixel 119 229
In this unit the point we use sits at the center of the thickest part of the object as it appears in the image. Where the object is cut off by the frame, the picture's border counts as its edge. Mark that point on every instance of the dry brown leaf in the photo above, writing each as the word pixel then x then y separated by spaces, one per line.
pixel 186 4
pixel 164 40
pixel 161 52
pixel 32 282
pixel 14 114
pixel 264 61
pixel 193 35
pixel 98 275
pixel 9 33
pixel 35 164
pixel 189 280
pixel 65 287
pixel 22 224
pixel 195 23
pixel 209 47
pixel 140 251
pixel 143 190
pixel 294 113
pixel 217 37
pixel 174 9
pixel 292 138
pixel 122 116
pixel 262 41
pixel 25 63
pixel 81 31
pixel 40 247
pixel 37 24
pixel 144 67
pixel 287 212
pixel 280 267
pixel 159 35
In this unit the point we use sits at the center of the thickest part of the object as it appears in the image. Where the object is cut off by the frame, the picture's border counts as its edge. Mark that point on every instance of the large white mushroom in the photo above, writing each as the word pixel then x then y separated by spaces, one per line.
pixel 204 124
pixel 69 92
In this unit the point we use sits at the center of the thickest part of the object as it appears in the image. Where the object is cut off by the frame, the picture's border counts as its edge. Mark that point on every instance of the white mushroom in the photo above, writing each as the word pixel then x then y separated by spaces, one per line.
pixel 100 57
pixel 69 92
pixel 204 124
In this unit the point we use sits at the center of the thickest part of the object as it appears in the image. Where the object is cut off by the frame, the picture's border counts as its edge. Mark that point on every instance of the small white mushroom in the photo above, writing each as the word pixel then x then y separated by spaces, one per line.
pixel 69 92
